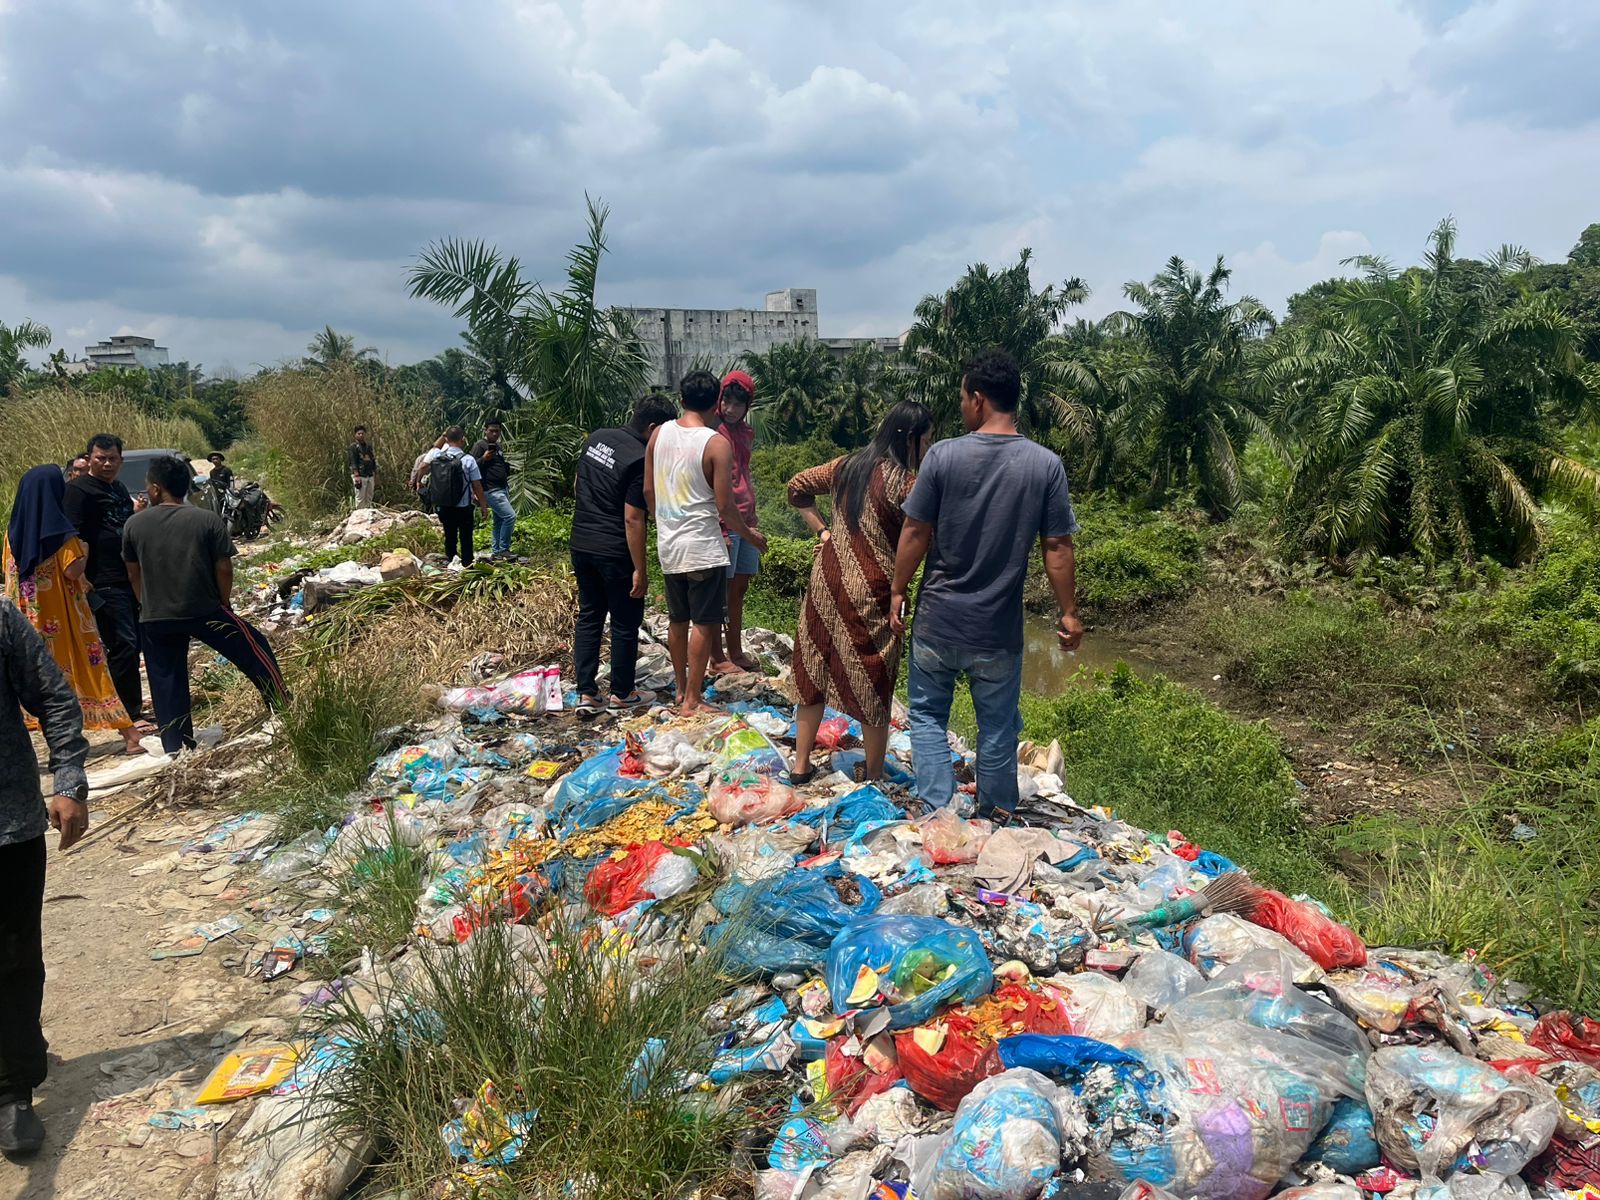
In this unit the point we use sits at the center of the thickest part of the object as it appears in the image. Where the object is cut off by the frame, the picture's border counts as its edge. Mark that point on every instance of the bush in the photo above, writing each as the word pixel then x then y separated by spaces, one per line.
pixel 771 468
pixel 1161 756
pixel 1126 558
pixel 544 534
pixel 1553 611
pixel 303 419
pixel 54 423
pixel 786 566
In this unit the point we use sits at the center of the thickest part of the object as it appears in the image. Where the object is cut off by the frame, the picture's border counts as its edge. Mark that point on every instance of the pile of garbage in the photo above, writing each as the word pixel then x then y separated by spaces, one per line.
pixel 1060 1005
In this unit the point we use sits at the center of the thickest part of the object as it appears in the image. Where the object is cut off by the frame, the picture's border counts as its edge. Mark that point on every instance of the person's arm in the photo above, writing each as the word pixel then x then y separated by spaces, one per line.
pixel 915 538
pixel 44 691
pixel 804 489
pixel 130 559
pixel 719 470
pixel 224 569
pixel 469 467
pixel 79 512
pixel 1058 566
pixel 354 455
pixel 650 473
pixel 633 526
pixel 76 557
pixel 478 495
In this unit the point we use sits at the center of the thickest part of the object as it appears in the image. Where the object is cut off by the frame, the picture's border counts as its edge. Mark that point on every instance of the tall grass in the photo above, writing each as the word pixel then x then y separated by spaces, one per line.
pixel 53 424
pixel 304 420
pixel 557 1021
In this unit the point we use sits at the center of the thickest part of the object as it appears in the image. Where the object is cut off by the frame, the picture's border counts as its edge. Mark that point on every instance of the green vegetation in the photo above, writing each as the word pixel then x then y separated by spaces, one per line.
pixel 377 898
pixel 556 1027
pixel 1553 611
pixel 1127 558
pixel 771 468
pixel 1162 757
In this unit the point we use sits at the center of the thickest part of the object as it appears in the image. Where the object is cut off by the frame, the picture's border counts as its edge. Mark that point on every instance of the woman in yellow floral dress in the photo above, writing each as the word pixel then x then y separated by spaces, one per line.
pixel 44 561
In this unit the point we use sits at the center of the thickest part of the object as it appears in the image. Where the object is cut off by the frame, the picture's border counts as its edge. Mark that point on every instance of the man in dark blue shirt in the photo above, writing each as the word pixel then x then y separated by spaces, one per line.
pixel 980 504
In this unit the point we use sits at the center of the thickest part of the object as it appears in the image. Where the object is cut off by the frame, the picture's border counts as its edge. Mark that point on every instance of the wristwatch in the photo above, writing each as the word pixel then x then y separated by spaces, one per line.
pixel 79 793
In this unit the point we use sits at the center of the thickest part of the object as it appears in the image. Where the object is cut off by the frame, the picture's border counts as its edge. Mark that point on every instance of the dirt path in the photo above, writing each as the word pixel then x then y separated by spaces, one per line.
pixel 130 1035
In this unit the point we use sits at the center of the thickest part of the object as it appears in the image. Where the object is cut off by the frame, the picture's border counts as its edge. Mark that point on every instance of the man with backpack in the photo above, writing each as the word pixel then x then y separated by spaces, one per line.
pixel 455 484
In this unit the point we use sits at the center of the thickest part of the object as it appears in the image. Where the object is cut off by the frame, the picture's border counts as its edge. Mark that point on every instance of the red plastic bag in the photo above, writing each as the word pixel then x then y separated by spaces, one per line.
pixel 1023 1009
pixel 851 1082
pixel 618 883
pixel 832 731
pixel 1329 944
pixel 949 839
pixel 1569 1036
pixel 964 1060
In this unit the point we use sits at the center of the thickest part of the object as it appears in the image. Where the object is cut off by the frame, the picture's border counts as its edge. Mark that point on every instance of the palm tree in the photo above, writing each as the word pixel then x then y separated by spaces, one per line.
pixel 792 380
pixel 566 364
pixel 1428 405
pixel 858 396
pixel 1182 400
pixel 27 335
pixel 331 349
pixel 1000 308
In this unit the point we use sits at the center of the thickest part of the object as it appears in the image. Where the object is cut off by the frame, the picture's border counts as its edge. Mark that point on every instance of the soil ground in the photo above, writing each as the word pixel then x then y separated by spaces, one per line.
pixel 130 1035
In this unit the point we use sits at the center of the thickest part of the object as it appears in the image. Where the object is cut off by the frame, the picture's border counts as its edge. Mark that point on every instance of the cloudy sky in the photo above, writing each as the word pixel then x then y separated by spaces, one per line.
pixel 230 176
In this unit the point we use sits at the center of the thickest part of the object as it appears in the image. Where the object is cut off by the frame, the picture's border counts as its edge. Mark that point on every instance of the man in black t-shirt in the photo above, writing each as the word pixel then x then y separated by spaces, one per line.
pixel 489 452
pixel 99 506
pixel 608 539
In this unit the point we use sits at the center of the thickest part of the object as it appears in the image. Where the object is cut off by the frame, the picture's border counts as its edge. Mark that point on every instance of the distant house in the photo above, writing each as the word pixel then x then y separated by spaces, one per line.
pixel 125 350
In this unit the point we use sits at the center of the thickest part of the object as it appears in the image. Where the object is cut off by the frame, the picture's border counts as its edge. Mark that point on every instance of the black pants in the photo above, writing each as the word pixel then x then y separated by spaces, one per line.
pixel 603 587
pixel 166 657
pixel 117 618
pixel 457 522
pixel 22 1045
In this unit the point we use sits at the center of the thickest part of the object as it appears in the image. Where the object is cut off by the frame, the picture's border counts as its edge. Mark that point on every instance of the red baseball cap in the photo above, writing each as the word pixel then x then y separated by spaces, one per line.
pixel 743 380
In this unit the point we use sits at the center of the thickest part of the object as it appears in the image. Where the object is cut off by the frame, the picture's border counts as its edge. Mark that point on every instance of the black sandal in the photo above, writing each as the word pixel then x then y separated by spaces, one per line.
pixel 802 778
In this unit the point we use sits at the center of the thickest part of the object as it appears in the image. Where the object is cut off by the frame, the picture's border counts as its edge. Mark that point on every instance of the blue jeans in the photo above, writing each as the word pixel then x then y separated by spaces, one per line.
pixel 995 677
pixel 505 518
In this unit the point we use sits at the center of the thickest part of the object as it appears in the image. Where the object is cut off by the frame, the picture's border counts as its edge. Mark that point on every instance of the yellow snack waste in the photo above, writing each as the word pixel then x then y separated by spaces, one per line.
pixel 247 1073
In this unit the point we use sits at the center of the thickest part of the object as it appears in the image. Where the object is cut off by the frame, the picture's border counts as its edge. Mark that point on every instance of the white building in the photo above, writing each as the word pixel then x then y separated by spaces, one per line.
pixel 719 337
pixel 126 350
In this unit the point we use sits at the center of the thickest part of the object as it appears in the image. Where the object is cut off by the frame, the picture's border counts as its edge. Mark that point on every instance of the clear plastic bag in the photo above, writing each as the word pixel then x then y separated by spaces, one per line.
pixel 741 796
pixel 1160 979
pixel 1430 1104
pixel 1099 1006
pixel 911 965
pixel 1218 942
pixel 1007 1140
pixel 738 744
pixel 949 839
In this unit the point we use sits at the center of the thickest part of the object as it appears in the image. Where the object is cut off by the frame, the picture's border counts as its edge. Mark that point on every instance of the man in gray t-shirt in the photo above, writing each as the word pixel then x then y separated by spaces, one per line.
pixel 980 504
pixel 180 562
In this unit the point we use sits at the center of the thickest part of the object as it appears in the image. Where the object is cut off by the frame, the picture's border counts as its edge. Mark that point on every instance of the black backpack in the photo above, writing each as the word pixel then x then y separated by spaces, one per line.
pixel 447 480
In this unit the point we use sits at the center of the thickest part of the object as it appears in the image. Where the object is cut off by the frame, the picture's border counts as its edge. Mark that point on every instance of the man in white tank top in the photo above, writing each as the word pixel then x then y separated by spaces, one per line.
pixel 688 485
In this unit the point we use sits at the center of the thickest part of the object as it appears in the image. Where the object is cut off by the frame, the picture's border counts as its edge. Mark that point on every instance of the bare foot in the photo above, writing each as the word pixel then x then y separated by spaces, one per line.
pixel 703 709
pixel 726 667
pixel 744 662
pixel 130 741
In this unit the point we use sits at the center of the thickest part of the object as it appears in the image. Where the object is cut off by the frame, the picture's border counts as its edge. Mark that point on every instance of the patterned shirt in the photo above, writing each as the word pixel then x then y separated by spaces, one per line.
pixel 30 679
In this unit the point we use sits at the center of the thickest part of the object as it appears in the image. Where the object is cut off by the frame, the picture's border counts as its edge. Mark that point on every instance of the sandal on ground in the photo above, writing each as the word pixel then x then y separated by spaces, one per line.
pixel 639 699
pixel 801 778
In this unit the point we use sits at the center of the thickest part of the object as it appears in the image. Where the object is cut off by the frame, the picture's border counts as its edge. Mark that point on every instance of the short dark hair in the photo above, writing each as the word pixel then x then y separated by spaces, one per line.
pixel 497 424
pixel 359 429
pixel 455 434
pixel 699 390
pixel 103 441
pixel 171 473
pixel 994 373
pixel 652 410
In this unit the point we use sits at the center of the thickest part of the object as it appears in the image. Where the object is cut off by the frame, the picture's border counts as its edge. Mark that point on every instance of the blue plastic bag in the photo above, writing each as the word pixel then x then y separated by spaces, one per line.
pixel 1006 1140
pixel 800 903
pixel 595 792
pixel 749 952
pixel 1347 1145
pixel 866 806
pixel 905 952
pixel 1061 1057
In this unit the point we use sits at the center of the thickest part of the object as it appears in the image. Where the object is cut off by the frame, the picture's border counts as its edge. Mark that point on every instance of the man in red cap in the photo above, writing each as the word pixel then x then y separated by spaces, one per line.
pixel 744 560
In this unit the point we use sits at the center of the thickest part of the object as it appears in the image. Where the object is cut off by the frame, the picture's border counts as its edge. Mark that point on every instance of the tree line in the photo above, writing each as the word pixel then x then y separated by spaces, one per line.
pixel 1429 409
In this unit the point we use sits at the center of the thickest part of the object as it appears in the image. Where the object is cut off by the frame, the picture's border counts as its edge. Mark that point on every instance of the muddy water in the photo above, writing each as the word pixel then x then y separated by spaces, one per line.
pixel 1047 670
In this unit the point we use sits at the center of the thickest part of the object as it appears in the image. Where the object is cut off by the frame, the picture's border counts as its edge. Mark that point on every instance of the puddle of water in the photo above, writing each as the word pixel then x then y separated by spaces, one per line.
pixel 1048 670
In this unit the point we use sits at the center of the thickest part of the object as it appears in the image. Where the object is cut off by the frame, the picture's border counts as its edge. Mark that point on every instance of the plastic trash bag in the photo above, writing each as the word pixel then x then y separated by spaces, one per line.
pixel 911 965
pixel 618 882
pixel 669 753
pixel 1430 1104
pixel 597 791
pixel 673 875
pixel 741 795
pixel 751 953
pixel 949 839
pixel 833 731
pixel 1347 1144
pixel 1007 1140
pixel 801 903
pixel 922 900
pixel 1217 942
pixel 739 744
pixel 1569 1036
pixel 945 1060
pixel 1160 979
pixel 1326 942
pixel 1257 990
pixel 863 809
pixel 1098 1005
pixel 855 1077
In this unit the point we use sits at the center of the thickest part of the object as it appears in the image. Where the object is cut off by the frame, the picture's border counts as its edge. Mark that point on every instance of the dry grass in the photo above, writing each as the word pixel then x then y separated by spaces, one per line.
pixel 51 425
pixel 304 419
